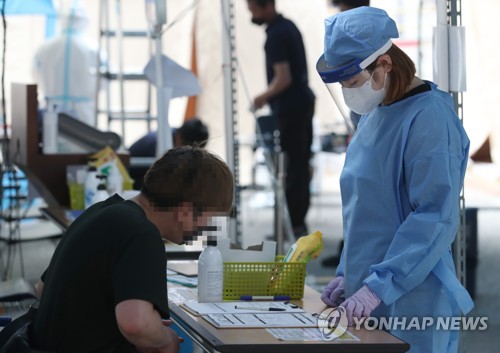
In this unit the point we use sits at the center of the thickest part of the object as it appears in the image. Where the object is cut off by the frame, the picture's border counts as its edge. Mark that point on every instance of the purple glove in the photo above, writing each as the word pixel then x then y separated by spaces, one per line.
pixel 333 294
pixel 360 304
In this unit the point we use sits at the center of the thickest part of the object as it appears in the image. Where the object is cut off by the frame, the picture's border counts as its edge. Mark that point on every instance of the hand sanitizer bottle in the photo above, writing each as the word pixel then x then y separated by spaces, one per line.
pixel 49 131
pixel 210 272
pixel 91 183
pixel 101 194
pixel 115 181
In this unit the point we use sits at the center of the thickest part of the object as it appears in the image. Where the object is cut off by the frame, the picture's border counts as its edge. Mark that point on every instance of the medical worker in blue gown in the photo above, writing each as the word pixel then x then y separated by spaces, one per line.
pixel 400 185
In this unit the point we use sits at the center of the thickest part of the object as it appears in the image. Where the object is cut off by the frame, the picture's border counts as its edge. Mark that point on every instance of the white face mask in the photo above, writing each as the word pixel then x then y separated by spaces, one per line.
pixel 363 99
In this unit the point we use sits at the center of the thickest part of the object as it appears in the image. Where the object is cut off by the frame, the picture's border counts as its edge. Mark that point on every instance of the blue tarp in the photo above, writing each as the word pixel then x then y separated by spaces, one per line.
pixel 29 7
pixel 33 7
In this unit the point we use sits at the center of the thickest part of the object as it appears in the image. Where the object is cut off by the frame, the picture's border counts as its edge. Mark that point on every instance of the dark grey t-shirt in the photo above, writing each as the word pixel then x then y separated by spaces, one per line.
pixel 284 44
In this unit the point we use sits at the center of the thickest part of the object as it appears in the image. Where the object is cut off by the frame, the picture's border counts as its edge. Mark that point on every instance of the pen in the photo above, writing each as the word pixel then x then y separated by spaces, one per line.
pixel 264 297
pixel 259 309
pixel 5 320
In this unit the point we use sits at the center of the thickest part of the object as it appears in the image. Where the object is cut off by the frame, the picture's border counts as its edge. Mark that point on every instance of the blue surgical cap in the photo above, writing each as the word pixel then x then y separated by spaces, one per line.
pixel 350 38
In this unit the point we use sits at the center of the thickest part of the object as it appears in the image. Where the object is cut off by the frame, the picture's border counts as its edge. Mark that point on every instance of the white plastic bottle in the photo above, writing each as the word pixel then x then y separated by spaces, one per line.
pixel 210 275
pixel 115 181
pixel 49 130
pixel 101 194
pixel 90 186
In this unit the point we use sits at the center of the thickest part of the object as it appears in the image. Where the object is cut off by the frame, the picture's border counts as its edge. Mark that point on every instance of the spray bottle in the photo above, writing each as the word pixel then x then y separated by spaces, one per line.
pixel 306 248
pixel 210 274
pixel 49 130
pixel 101 193
pixel 91 183
pixel 115 181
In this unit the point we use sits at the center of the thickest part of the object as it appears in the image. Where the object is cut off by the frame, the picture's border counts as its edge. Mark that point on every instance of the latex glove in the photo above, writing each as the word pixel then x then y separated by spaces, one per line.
pixel 360 304
pixel 333 294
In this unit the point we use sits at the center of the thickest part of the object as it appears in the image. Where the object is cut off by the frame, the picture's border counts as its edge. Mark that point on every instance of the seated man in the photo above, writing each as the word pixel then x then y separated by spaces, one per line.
pixel 105 288
pixel 193 133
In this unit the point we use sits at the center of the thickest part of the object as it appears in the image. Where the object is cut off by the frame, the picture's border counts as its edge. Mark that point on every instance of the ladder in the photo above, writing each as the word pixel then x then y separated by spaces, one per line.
pixel 114 76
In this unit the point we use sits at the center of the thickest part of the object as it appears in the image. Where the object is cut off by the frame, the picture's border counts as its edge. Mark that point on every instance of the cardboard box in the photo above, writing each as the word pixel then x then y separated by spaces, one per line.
pixel 264 252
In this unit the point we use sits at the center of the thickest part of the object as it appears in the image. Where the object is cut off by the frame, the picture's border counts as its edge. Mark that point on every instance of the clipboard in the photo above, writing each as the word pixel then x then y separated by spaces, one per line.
pixel 267 320
pixel 200 309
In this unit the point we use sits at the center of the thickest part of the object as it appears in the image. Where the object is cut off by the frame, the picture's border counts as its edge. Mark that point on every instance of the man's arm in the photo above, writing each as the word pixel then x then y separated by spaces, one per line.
pixel 142 326
pixel 39 289
pixel 281 81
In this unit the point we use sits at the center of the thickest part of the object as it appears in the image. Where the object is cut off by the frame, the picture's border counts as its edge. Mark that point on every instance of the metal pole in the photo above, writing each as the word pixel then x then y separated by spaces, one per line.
pixel 454 17
pixel 163 95
pixel 229 66
pixel 280 203
pixel 119 39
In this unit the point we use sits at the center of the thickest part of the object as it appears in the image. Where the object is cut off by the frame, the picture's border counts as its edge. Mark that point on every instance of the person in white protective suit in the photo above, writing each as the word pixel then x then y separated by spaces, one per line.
pixel 400 186
pixel 64 68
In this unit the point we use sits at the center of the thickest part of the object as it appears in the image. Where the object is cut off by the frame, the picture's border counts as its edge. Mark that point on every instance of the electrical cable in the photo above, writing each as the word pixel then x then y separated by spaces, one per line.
pixel 181 15
pixel 14 215
pixel 268 158
pixel 5 144
pixel 2 83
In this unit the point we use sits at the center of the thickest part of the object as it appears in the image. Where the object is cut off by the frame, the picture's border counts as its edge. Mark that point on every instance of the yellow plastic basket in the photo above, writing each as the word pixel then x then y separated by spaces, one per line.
pixel 264 278
pixel 76 196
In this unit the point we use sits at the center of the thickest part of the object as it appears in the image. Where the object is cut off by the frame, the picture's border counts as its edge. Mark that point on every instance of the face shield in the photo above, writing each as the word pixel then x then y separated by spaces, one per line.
pixel 331 75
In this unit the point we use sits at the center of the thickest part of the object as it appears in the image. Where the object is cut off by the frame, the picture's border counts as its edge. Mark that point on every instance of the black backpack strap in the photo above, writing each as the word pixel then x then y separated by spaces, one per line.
pixel 23 320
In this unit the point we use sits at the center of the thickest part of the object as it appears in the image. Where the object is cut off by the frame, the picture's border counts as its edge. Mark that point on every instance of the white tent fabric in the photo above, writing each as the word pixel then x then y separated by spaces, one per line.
pixel 483 76
pixel 482 54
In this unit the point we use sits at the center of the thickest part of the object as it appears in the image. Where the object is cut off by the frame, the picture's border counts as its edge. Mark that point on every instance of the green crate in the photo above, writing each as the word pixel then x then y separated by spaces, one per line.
pixel 263 278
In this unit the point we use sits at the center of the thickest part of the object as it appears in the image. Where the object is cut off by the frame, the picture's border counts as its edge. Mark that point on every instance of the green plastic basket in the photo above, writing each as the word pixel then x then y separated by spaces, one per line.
pixel 264 278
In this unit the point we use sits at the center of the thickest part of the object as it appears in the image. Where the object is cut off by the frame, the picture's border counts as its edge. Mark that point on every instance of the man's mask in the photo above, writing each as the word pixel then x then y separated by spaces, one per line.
pixel 258 21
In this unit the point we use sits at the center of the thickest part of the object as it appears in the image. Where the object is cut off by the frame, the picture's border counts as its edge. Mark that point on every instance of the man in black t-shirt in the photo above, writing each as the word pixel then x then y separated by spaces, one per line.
pixel 291 101
pixel 105 287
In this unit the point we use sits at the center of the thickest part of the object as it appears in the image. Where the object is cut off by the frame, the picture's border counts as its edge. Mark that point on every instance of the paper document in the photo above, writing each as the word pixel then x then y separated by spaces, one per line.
pixel 262 320
pixel 182 295
pixel 236 307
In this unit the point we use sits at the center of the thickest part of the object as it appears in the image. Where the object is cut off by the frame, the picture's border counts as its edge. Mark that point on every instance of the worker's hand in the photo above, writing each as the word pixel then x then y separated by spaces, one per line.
pixel 360 304
pixel 333 294
pixel 259 102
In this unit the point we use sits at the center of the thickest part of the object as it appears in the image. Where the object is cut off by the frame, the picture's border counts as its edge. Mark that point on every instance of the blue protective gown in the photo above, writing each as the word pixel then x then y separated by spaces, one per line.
pixel 400 186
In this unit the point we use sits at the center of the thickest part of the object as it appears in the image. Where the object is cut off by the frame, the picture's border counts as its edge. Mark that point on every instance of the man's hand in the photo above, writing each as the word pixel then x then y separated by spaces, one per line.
pixel 141 325
pixel 281 81
pixel 172 347
pixel 259 102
